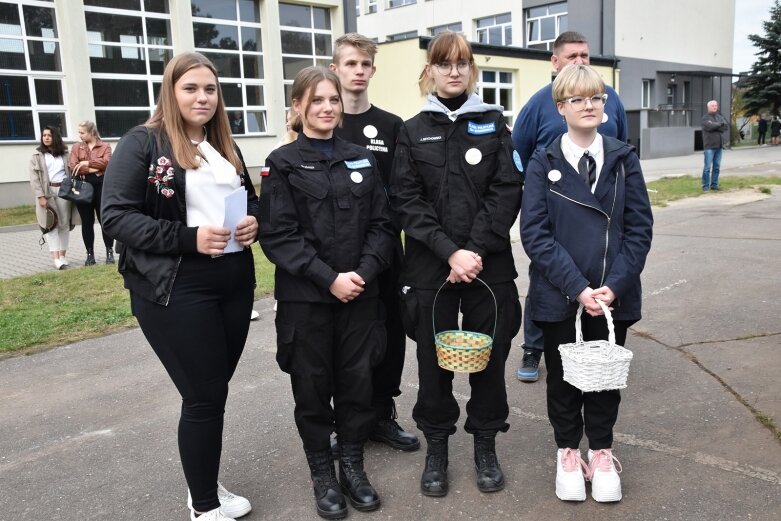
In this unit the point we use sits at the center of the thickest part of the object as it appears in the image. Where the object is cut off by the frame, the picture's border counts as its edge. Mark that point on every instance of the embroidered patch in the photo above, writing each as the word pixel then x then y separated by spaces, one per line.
pixel 307 167
pixel 428 139
pixel 355 165
pixel 517 160
pixel 265 171
pixel 478 129
pixel 161 174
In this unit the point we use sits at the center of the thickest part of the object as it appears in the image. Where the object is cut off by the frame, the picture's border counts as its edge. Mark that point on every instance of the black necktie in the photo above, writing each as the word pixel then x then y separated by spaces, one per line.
pixel 587 168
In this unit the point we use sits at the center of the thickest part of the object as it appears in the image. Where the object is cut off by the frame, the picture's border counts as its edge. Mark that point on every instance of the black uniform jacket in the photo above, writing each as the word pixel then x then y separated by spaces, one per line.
pixel 321 217
pixel 455 186
pixel 146 210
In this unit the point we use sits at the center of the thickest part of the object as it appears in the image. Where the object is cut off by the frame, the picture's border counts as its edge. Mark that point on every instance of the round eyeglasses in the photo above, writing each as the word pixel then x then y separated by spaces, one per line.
pixel 579 102
pixel 445 68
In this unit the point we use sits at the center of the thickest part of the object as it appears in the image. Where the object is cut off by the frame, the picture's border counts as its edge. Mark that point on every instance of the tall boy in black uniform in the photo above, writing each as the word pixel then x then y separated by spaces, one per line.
pixel 377 130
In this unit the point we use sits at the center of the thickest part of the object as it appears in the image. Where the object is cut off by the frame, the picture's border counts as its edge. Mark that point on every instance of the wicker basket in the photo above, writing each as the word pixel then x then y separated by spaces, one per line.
pixel 597 365
pixel 463 351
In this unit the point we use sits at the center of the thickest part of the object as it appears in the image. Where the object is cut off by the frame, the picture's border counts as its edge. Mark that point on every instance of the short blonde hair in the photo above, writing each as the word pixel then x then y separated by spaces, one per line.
pixel 577 80
pixel 448 46
pixel 356 40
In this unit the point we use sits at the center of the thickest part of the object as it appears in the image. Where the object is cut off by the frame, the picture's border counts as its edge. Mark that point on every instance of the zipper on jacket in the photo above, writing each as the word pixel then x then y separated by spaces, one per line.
pixel 173 279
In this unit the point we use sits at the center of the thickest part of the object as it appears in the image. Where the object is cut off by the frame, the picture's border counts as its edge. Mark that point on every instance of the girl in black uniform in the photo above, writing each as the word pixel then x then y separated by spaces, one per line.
pixel 457 189
pixel 326 227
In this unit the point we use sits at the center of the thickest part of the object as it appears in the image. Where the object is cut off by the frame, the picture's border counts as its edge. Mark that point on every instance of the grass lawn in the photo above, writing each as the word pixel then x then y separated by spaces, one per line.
pixel 17 215
pixel 669 189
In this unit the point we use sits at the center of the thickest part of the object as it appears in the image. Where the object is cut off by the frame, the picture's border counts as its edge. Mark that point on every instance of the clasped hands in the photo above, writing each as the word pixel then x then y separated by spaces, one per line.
pixel 588 297
pixel 212 240
pixel 465 265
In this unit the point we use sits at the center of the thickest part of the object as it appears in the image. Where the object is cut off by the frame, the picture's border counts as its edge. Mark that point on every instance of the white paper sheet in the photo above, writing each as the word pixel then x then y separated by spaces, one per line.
pixel 235 211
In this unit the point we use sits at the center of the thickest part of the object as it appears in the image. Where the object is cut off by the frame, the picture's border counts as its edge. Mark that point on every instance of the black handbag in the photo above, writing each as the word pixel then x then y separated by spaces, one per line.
pixel 74 188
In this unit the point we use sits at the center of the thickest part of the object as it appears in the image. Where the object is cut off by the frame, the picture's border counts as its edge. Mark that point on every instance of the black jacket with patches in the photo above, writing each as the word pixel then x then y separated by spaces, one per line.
pixel 321 217
pixel 456 186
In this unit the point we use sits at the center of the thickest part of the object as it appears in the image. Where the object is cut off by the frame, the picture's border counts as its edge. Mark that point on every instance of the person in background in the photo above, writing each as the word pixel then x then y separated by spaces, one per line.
pixel 192 298
pixel 586 225
pixel 713 127
pixel 775 130
pixel 91 156
pixel 366 125
pixel 48 168
pixel 761 130
pixel 457 191
pixel 327 229
pixel 537 126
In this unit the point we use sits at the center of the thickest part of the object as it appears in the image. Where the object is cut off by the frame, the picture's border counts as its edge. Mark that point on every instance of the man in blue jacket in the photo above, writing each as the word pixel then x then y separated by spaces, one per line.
pixel 538 124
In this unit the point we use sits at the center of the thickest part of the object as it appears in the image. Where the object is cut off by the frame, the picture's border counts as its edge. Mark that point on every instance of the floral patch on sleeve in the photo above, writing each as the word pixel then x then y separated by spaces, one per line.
pixel 162 175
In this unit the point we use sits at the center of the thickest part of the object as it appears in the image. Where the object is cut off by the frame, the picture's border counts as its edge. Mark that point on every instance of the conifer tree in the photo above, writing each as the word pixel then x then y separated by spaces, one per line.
pixel 763 84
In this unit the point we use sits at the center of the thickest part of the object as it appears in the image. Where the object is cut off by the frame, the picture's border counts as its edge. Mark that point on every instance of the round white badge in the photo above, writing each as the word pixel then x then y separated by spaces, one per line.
pixel 370 131
pixel 604 117
pixel 356 177
pixel 554 176
pixel 473 156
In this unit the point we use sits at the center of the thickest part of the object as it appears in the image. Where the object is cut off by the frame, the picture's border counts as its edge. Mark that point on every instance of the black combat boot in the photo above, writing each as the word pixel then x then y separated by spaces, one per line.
pixel 90 258
pixel 433 482
pixel 389 432
pixel 109 255
pixel 329 500
pixel 489 474
pixel 353 479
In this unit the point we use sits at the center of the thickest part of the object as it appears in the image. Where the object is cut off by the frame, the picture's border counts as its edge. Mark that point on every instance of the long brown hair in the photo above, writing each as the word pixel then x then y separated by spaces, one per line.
pixel 168 119
pixel 448 46
pixel 304 86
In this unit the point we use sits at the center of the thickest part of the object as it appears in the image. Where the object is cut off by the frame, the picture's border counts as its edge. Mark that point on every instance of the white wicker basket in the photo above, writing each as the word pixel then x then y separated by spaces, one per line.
pixel 597 365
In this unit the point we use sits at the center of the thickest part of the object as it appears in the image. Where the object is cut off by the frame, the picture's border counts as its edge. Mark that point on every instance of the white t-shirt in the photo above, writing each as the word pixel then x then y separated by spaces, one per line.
pixel 55 167
pixel 207 187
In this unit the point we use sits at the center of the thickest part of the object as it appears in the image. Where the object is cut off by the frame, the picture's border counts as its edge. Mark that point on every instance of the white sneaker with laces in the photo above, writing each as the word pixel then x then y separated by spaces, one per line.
pixel 211 515
pixel 570 480
pixel 231 505
pixel 64 261
pixel 605 482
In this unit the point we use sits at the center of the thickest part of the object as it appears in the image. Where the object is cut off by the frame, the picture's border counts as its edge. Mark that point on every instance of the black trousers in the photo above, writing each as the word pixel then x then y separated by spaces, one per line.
pixel 386 378
pixel 199 338
pixel 570 409
pixel 87 212
pixel 329 350
pixel 436 411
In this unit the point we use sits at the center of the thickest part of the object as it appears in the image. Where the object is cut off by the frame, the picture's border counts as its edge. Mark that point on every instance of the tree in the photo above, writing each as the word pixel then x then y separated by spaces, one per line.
pixel 763 84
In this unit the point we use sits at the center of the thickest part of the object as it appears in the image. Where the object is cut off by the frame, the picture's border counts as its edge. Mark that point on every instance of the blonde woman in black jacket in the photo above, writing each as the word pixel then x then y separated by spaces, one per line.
pixel 163 198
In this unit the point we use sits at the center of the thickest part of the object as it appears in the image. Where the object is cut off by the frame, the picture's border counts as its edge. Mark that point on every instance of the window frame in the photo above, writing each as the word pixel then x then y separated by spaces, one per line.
pixel 557 17
pixel 498 86
pixel 505 27
pixel 646 93
pixel 432 31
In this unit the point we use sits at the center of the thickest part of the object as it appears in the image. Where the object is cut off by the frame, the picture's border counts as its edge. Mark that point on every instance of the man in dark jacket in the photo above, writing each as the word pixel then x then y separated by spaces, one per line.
pixel 713 127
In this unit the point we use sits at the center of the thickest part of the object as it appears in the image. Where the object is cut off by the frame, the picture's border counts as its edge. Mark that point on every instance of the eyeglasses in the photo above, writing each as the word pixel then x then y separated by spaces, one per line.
pixel 445 68
pixel 579 102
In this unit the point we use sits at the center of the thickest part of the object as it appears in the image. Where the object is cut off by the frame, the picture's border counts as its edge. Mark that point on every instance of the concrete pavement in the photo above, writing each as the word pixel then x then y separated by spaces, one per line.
pixel 87 431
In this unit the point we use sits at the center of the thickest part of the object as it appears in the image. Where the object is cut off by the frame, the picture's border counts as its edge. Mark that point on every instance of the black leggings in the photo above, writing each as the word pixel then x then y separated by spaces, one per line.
pixel 199 338
pixel 87 212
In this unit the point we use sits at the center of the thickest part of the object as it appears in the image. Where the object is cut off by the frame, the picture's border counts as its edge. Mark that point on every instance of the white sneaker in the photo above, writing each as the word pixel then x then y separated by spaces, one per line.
pixel 211 515
pixel 605 483
pixel 231 505
pixel 275 305
pixel 570 480
pixel 64 261
pixel 254 315
pixel 58 264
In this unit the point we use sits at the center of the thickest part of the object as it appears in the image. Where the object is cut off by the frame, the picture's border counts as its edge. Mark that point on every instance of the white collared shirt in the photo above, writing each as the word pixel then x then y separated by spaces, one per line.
pixel 207 187
pixel 573 153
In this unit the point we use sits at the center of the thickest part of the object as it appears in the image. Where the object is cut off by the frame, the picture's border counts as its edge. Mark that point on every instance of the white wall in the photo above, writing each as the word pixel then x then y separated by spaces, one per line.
pixel 697 32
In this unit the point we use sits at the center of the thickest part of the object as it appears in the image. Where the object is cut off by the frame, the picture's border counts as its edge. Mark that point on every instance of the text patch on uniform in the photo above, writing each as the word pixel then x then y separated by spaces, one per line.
pixel 428 139
pixel 478 129
pixel 361 163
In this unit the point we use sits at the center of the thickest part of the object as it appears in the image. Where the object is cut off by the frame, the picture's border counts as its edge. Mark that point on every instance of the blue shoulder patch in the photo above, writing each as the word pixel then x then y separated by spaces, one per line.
pixel 355 165
pixel 517 160
pixel 478 129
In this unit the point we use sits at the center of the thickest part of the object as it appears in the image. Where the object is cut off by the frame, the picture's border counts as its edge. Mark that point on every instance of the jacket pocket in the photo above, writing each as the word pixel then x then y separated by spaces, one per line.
pixel 285 345
pixel 365 186
pixel 409 310
pixel 317 188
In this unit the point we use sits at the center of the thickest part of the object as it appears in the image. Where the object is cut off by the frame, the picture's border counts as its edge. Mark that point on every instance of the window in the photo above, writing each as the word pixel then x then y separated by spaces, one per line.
pixel 31 90
pixel 228 32
pixel 399 3
pixel 357 8
pixel 129 45
pixel 645 102
pixel 371 6
pixel 497 87
pixel 544 24
pixel 401 36
pixel 495 30
pixel 306 40
pixel 455 27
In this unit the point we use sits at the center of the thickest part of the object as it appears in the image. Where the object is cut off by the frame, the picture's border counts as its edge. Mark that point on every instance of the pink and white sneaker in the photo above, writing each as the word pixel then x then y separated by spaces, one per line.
pixel 570 475
pixel 603 472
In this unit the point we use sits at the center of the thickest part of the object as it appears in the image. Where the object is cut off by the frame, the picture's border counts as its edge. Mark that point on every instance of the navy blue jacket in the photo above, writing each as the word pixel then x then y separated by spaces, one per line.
pixel 576 239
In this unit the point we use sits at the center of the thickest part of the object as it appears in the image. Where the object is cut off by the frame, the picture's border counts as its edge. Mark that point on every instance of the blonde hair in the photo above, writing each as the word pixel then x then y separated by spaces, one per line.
pixel 168 119
pixel 90 127
pixel 356 40
pixel 447 46
pixel 304 90
pixel 577 80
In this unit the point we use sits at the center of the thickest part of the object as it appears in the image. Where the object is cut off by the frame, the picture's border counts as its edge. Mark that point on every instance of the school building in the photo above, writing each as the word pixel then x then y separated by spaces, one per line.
pixel 64 61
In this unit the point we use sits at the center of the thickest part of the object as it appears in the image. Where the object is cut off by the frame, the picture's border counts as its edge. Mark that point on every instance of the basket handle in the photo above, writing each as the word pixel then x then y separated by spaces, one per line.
pixel 611 330
pixel 434 306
